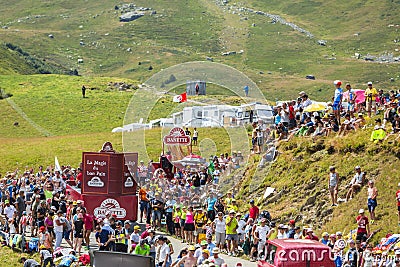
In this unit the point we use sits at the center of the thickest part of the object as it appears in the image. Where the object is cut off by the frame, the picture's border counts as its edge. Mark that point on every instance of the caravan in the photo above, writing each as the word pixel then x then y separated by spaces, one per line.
pixel 253 112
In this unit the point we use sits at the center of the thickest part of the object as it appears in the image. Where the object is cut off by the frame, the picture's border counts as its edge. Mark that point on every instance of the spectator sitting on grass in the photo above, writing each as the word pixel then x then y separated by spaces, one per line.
pixel 360 122
pixel 356 183
pixel 379 132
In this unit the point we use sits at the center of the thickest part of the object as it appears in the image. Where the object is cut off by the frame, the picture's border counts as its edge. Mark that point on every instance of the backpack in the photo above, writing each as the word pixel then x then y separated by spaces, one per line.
pixel 33 244
pixel 63 206
pixel 265 214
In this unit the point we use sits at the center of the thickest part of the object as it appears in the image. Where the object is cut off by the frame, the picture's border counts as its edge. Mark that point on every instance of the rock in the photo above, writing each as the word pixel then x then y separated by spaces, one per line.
pixel 310 185
pixel 322 42
pixel 310 200
pixel 51 36
pixel 326 212
pixel 80 60
pixel 210 59
pixel 130 16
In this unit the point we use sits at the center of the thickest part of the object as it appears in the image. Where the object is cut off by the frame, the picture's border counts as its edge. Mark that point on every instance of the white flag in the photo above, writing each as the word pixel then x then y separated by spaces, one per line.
pixel 57 166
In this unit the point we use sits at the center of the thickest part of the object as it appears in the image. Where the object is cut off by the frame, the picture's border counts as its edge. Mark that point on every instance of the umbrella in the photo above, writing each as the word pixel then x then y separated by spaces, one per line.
pixel 359 93
pixel 316 106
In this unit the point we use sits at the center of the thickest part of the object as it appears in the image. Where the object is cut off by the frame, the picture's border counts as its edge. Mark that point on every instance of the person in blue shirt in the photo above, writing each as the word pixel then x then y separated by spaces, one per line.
pixel 246 90
pixel 337 99
pixel 66 261
pixel 210 206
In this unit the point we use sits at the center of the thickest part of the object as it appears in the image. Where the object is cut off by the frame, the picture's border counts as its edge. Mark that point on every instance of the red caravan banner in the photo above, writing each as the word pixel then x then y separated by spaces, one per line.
pixel 177 136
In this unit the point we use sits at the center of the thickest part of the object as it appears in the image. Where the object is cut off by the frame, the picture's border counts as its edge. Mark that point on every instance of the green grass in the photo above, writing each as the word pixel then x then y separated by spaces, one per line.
pixel 36 151
pixel 302 161
pixel 11 257
pixel 55 103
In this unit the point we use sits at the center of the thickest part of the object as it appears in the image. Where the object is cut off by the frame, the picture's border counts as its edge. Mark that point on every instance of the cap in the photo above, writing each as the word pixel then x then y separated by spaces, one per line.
pixel 357 167
pixel 371 181
pixel 338 233
pixel 281 226
pixel 206 251
pixel 42 228
pixel 42 246
pixel 232 211
pixel 352 242
pixel 292 222
pixel 203 243
pixel 332 236
pixel 252 201
pixel 59 212
pixel 191 248
pixel 215 250
pixel 398 184
pixel 325 234
pixel 263 220
pixel 397 252
pixel 361 211
pixel 309 230
pixel 337 82
pixel 74 203
pixel 6 201
pixel 137 227
pixel 302 93
pixel 332 167
pixel 369 83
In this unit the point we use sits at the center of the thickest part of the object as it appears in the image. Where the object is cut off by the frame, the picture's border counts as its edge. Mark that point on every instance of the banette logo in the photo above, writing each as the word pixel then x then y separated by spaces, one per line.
pixel 109 206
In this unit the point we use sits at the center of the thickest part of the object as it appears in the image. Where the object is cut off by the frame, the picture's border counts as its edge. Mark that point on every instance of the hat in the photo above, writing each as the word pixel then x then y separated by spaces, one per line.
pixel 24 213
pixel 233 200
pixel 263 220
pixel 79 201
pixel 151 231
pixel 352 242
pixel 309 230
pixel 206 251
pixel 215 250
pixel 42 246
pixel 325 234
pixel 397 252
pixel 361 211
pixel 239 264
pixel 338 233
pixel 398 184
pixel 292 222
pixel 252 201
pixel 191 248
pixel 371 181
pixel 348 84
pixel 332 168
pixel 238 214
pixel 281 226
pixel 360 114
pixel 157 194
pixel 203 243
pixel 74 203
pixel 357 167
pixel 332 236
pixel 42 228
pixel 369 83
pixel 136 227
pixel 60 212
pixel 6 201
pixel 232 211
pixel 302 93
pixel 337 82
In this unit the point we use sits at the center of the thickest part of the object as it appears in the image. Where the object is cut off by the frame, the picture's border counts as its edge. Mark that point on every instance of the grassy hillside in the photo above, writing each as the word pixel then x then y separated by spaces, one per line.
pixel 300 177
pixel 274 55
pixel 12 63
pixel 33 152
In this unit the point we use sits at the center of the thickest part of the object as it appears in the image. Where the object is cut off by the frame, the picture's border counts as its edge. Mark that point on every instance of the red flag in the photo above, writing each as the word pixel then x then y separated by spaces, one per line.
pixel 180 98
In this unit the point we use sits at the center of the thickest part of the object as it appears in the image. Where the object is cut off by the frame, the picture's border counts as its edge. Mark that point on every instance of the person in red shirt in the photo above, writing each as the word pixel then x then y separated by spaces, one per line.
pixel 292 115
pixel 363 226
pixel 79 178
pixel 253 211
pixel 398 201
pixel 310 235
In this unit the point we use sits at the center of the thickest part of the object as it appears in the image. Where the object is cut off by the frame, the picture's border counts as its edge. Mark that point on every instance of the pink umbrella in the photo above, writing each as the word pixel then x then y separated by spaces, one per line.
pixel 359 93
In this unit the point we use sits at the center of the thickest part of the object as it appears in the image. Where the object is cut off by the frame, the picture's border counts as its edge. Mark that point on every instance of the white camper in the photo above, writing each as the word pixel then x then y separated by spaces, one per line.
pixel 253 112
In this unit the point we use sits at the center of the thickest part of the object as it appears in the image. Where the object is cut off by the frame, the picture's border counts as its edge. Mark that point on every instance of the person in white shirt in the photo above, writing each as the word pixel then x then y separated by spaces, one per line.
pixel 282 232
pixel 219 227
pixel 9 210
pixel 261 235
pixel 163 253
pixel 216 259
pixel 241 227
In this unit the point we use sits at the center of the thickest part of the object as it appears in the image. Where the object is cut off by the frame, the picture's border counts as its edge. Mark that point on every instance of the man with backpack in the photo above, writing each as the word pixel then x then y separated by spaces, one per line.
pixel 351 257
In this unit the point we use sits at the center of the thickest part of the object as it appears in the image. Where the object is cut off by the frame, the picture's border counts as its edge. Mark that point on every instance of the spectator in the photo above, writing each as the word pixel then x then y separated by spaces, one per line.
pixel 66 261
pixel 325 238
pixel 163 253
pixel 261 235
pixel 216 259
pixel 398 202
pixel 340 244
pixel 231 233
pixel 310 235
pixel 143 248
pixel 337 99
pixel 351 258
pixel 204 256
pixel 372 203
pixel 219 226
pixel 333 184
pixel 356 183
pixel 363 226
pixel 370 96
pixel 352 99
pixel 379 132
pixel 46 258
pixel 29 262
